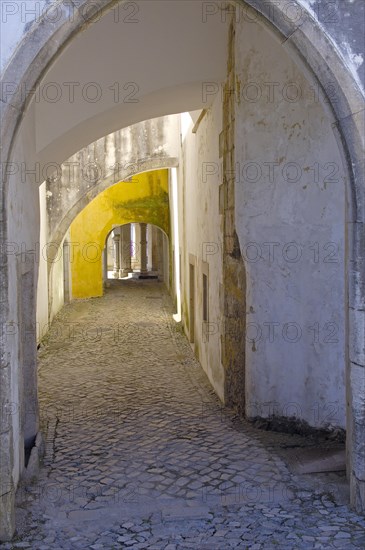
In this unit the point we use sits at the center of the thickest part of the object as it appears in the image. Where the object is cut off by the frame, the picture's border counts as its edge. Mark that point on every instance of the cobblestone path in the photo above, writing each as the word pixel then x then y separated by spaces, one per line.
pixel 140 454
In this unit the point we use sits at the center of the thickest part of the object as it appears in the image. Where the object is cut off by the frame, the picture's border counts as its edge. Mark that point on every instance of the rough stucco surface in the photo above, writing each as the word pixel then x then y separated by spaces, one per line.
pixel 22 207
pixel 42 297
pixel 295 340
pixel 344 21
pixel 17 18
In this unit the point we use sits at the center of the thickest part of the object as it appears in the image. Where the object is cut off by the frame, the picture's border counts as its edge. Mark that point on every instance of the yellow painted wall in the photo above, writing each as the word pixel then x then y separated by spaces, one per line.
pixel 144 199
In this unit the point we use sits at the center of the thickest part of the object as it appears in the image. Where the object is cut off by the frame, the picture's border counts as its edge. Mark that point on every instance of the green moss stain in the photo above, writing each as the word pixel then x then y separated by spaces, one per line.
pixel 155 208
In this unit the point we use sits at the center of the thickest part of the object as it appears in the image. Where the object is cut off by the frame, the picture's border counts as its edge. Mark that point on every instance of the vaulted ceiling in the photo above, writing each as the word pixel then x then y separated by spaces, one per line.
pixel 141 61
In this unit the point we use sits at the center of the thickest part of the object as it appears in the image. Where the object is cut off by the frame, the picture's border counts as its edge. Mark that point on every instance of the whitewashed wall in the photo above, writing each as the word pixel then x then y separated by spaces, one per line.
pixel 290 188
pixel 42 289
pixel 200 236
pixel 23 215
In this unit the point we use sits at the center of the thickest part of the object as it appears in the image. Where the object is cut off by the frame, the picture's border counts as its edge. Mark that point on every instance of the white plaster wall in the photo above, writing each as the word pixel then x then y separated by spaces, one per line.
pixel 25 206
pixel 22 206
pixel 200 235
pixel 42 290
pixel 173 85
pixel 305 378
pixel 56 285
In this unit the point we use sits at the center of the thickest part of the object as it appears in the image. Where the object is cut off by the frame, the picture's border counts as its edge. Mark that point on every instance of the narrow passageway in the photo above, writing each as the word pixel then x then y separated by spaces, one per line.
pixel 140 454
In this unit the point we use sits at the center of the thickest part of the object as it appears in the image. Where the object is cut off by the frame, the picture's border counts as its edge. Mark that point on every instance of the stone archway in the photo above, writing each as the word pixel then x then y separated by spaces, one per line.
pixel 312 48
pixel 144 147
pixel 146 203
pixel 122 252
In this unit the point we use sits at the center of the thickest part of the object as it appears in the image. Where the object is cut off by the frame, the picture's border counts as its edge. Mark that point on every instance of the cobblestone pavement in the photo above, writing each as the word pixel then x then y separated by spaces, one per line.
pixel 140 454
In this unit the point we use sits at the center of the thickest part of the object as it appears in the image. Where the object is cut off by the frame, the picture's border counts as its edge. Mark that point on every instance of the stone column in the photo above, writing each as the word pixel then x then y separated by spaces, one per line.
pixel 143 227
pixel 125 250
pixel 105 264
pixel 160 256
pixel 116 243
pixel 120 251
pixel 136 247
pixel 155 255
pixel 149 247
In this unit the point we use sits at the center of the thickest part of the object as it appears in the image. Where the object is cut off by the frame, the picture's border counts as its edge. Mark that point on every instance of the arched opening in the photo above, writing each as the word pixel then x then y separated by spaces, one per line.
pixel 123 253
pixel 247 126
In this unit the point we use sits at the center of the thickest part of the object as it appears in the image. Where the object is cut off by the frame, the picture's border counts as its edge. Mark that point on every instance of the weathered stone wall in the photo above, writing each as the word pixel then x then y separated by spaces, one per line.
pixel 234 275
pixel 22 209
pixel 290 219
pixel 341 20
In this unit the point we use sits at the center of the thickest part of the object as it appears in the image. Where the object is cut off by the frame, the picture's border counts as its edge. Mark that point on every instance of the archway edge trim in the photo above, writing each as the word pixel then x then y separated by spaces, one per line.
pixel 313 49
